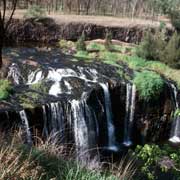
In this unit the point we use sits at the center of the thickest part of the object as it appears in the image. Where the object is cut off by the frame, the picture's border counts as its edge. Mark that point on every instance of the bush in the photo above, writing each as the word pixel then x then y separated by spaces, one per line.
pixel 35 11
pixel 95 47
pixel 81 45
pixel 149 85
pixel 5 89
pixel 156 160
pixel 171 53
pixel 152 46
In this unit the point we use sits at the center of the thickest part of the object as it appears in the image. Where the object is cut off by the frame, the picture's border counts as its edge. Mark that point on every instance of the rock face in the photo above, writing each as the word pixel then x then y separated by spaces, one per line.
pixel 47 31
pixel 88 105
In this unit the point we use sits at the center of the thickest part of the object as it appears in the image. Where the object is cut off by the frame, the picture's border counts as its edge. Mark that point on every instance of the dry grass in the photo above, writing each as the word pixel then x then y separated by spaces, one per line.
pixel 107 21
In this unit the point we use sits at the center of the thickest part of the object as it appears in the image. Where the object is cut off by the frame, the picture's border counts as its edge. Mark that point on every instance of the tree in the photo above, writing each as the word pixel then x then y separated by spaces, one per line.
pixel 4 22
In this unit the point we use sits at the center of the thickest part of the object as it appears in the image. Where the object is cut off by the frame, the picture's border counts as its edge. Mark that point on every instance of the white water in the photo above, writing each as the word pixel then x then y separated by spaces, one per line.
pixel 129 117
pixel 80 128
pixel 25 125
pixel 14 73
pixel 110 125
pixel 35 77
pixel 175 130
pixel 55 89
pixel 57 120
pixel 45 130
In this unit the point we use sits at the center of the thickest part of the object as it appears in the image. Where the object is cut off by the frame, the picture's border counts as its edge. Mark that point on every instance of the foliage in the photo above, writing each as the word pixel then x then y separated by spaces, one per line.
pixel 152 46
pixel 40 87
pixel 171 8
pixel 95 47
pixel 66 44
pixel 48 160
pixel 35 11
pixel 81 45
pixel 15 166
pixel 82 54
pixel 177 112
pixel 171 53
pixel 149 84
pixel 29 99
pixel 154 159
pixel 5 89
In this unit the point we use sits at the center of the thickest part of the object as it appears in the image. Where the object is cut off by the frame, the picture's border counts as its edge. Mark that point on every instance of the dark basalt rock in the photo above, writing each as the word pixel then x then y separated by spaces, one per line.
pixel 151 122
pixel 47 31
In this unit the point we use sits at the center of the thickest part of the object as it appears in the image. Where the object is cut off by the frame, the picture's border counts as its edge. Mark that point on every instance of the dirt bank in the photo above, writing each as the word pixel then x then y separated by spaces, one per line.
pixel 49 30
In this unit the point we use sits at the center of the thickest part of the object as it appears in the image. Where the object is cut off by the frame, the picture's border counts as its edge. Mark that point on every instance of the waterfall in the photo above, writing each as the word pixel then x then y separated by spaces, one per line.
pixel 45 129
pixel 25 126
pixel 80 128
pixel 55 89
pixel 129 117
pixel 15 73
pixel 35 77
pixel 110 125
pixel 175 130
pixel 57 120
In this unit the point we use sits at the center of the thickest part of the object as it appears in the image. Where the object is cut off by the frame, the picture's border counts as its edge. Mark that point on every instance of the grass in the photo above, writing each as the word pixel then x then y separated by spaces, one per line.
pixel 5 89
pixel 46 161
pixel 127 55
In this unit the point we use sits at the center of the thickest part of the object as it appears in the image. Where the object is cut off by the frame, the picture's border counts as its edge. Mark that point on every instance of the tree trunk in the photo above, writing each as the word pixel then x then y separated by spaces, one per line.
pixel 1 62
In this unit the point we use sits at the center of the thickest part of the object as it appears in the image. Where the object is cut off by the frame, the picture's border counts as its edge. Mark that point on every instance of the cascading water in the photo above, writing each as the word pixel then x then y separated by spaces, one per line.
pixel 57 120
pixel 112 145
pixel 25 126
pixel 45 129
pixel 80 128
pixel 15 73
pixel 175 130
pixel 130 109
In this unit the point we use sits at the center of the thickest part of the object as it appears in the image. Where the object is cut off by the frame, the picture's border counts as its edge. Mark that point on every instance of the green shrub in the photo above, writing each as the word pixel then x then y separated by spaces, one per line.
pixel 5 89
pixel 81 45
pixel 171 53
pixel 66 44
pixel 35 11
pixel 149 85
pixel 95 47
pixel 155 160
pixel 40 87
pixel 152 46
pixel 82 54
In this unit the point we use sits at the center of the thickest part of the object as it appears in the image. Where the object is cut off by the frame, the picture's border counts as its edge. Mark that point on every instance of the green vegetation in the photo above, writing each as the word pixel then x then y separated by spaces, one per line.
pixel 154 159
pixel 81 45
pixel 40 87
pixel 149 84
pixel 5 89
pixel 95 47
pixel 29 99
pixel 155 47
pixel 48 160
pixel 66 44
pixel 35 11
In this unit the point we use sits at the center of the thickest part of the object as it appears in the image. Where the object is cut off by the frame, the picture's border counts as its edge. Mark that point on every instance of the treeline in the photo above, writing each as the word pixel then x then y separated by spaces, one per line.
pixel 124 8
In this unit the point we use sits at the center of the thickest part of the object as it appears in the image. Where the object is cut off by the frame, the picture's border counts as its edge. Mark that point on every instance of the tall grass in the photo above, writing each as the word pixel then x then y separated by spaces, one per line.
pixel 49 160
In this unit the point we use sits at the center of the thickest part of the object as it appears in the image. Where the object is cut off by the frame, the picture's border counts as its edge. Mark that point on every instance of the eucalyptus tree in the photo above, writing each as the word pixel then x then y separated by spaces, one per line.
pixel 7 9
